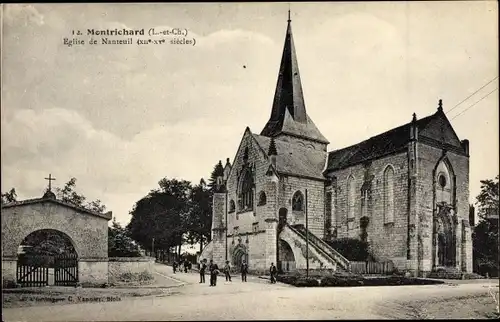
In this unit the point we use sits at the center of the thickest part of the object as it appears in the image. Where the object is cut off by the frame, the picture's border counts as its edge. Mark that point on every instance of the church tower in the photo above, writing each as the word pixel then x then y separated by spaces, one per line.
pixel 289 119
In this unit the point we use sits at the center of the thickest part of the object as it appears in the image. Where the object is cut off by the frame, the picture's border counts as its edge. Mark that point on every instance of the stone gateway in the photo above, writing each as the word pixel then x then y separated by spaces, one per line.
pixel 86 232
pixel 405 191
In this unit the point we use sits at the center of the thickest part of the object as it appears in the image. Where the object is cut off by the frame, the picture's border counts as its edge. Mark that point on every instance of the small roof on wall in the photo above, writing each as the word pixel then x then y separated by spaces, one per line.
pixel 108 215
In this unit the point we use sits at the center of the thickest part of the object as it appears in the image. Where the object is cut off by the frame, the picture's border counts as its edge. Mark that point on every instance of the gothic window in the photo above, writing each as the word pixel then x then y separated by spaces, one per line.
pixel 442 180
pixel 351 197
pixel 245 155
pixel 245 196
pixel 262 198
pixel 389 195
pixel 298 201
pixel 232 206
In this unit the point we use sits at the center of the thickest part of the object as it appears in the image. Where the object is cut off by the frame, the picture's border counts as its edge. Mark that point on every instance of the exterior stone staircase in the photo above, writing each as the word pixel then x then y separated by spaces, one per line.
pixel 321 246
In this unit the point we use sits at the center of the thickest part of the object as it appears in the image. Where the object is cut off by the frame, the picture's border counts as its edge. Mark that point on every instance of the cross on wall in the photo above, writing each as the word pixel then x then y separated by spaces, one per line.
pixel 50 179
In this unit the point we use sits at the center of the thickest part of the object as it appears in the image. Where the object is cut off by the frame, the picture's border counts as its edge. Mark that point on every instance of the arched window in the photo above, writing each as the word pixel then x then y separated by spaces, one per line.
pixel 262 198
pixel 351 197
pixel 232 206
pixel 245 196
pixel 298 201
pixel 389 195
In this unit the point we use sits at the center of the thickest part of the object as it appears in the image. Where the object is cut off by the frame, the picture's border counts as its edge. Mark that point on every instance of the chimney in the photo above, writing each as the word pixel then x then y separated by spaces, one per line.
pixel 465 146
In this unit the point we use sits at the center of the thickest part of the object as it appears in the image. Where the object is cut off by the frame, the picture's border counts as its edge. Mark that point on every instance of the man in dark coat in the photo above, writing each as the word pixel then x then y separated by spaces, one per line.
pixel 272 271
pixel 244 271
pixel 214 271
pixel 227 271
pixel 174 266
pixel 203 267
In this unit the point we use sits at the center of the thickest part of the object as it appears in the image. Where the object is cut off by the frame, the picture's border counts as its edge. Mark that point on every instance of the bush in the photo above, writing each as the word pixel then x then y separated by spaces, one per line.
pixel 353 249
pixel 287 279
pixel 344 280
pixel 306 282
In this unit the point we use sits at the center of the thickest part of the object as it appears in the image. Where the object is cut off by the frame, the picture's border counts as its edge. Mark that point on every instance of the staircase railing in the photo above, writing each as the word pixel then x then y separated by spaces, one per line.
pixel 315 246
pixel 344 262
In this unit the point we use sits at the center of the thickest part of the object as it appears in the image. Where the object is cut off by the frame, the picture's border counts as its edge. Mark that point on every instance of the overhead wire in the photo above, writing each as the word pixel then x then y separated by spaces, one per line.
pixel 482 98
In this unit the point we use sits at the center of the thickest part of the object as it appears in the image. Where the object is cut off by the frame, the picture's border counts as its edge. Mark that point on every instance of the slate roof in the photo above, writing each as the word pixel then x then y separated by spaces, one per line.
pixel 107 215
pixel 288 114
pixel 293 159
pixel 377 146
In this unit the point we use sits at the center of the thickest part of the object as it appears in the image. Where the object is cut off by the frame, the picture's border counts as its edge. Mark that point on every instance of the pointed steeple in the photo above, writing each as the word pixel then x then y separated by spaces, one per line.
pixel 288 113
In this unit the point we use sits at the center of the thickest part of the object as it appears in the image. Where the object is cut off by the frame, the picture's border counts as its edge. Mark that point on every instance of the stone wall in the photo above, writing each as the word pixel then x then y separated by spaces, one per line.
pixel 258 158
pixel 9 269
pixel 93 271
pixel 387 240
pixel 428 159
pixel 315 202
pixel 134 265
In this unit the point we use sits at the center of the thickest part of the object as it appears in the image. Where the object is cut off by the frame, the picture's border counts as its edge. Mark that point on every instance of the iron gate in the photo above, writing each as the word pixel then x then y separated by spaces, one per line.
pixel 66 270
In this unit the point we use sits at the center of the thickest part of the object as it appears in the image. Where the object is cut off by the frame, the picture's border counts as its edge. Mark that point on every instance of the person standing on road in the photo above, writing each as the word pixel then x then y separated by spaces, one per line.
pixel 244 271
pixel 227 271
pixel 214 270
pixel 203 267
pixel 174 266
pixel 272 272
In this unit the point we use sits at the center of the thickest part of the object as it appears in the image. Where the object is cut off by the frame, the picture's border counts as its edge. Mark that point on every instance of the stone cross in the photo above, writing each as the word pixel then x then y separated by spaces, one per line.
pixel 50 181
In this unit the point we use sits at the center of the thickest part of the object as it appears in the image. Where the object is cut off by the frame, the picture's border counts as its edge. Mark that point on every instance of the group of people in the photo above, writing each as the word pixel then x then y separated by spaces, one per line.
pixel 182 264
pixel 214 271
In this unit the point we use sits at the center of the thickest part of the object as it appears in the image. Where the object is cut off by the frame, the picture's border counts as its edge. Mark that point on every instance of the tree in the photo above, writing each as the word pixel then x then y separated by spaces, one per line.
pixel 487 200
pixel 485 236
pixel 119 243
pixel 10 196
pixel 200 218
pixel 68 194
pixel 163 215
pixel 216 172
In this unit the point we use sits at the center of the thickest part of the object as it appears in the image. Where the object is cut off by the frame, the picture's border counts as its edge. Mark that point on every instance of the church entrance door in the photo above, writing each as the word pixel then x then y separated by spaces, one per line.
pixel 445 239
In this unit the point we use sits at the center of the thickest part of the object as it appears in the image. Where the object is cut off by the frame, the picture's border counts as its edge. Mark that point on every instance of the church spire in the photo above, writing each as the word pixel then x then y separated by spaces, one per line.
pixel 289 110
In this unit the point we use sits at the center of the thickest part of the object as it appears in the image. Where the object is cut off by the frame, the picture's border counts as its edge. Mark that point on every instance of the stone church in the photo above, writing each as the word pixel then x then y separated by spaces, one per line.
pixel 405 191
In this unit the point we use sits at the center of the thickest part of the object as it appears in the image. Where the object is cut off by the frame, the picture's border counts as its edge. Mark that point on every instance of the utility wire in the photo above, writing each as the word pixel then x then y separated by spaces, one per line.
pixel 482 98
pixel 471 95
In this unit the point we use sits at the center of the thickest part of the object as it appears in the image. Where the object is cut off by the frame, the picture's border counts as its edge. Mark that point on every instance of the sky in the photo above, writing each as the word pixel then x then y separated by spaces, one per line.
pixel 121 117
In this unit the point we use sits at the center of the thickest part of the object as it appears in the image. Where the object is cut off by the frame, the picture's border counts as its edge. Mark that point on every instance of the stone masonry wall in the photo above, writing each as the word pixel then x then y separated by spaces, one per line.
pixel 428 158
pixel 315 204
pixel 88 233
pixel 388 241
pixel 135 265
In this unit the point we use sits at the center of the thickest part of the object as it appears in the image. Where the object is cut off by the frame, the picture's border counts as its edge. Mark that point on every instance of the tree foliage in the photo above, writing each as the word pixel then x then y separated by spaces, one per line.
pixel 47 242
pixel 487 200
pixel 175 213
pixel 162 215
pixel 9 196
pixel 485 235
pixel 69 194
pixel 119 243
